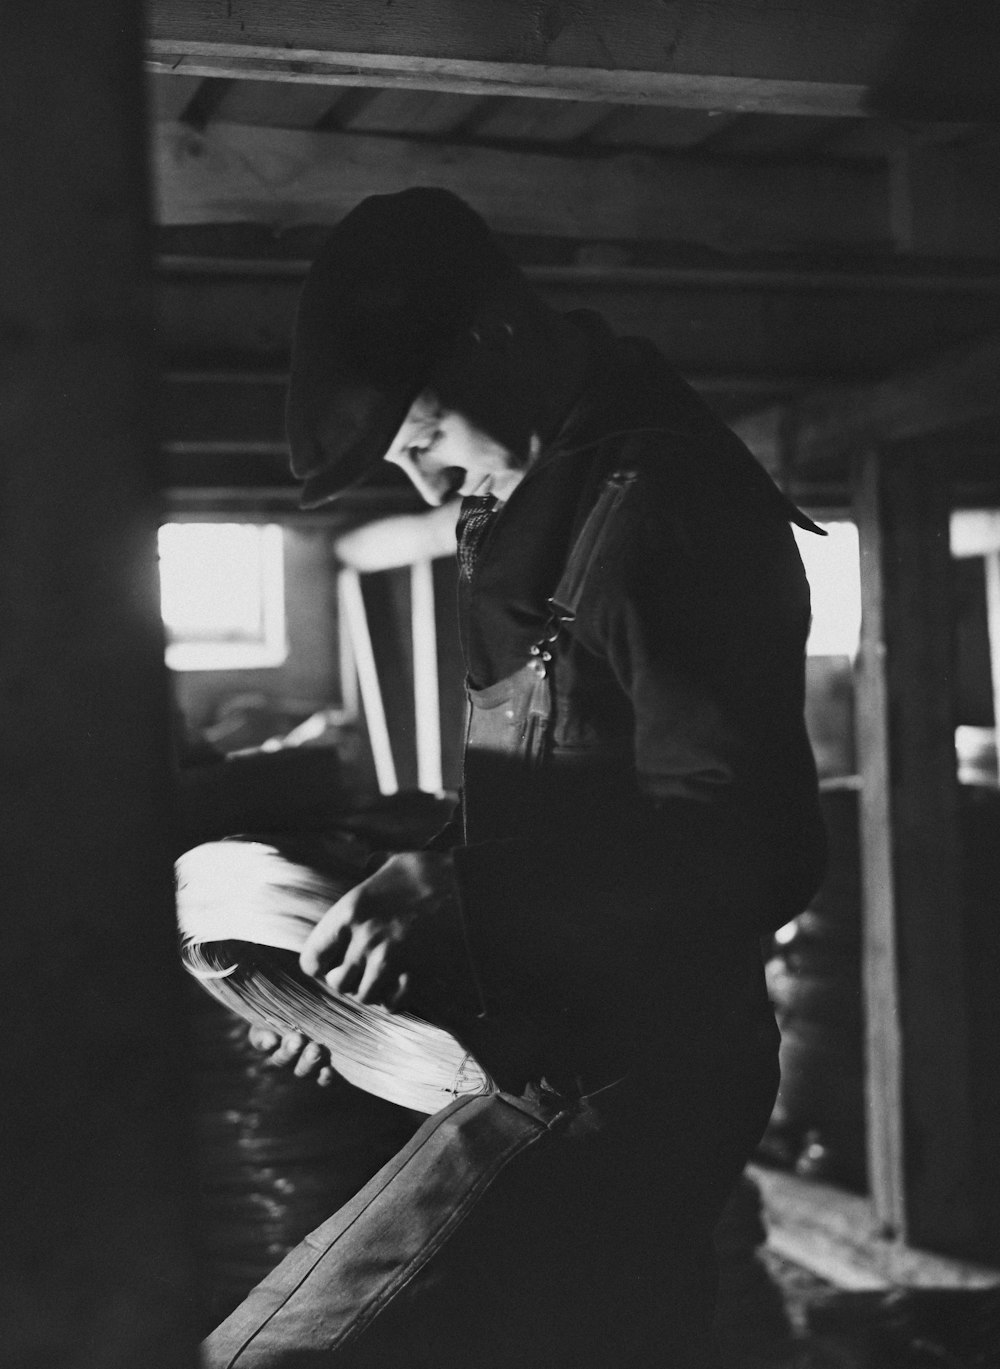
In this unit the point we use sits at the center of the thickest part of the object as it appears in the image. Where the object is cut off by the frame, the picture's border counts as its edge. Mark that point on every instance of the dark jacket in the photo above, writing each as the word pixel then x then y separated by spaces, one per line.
pixel 670 811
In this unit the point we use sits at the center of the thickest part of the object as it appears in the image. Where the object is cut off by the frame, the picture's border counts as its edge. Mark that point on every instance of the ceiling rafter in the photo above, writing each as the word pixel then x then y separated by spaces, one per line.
pixel 679 90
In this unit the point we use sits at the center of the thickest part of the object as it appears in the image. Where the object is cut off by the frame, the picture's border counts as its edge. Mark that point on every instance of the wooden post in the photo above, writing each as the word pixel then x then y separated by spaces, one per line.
pixel 426 696
pixel 95 1256
pixel 991 570
pixel 918 1045
pixel 354 617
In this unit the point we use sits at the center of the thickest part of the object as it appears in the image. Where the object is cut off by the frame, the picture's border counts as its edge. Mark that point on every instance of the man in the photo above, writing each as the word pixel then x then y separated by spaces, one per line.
pixel 639 800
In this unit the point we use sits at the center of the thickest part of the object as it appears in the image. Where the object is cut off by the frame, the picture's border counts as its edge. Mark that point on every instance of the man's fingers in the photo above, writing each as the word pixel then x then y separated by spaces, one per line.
pixel 309 1061
pixel 289 1049
pixel 263 1038
pixel 327 943
pixel 307 1058
pixel 377 984
pixel 398 1000
pixel 345 978
pixel 365 973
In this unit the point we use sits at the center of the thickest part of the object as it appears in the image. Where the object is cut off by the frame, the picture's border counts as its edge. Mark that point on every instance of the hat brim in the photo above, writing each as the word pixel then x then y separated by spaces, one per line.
pixel 356 462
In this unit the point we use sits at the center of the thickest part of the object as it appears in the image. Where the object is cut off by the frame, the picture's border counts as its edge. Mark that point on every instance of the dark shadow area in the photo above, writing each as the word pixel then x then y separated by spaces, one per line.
pixel 944 65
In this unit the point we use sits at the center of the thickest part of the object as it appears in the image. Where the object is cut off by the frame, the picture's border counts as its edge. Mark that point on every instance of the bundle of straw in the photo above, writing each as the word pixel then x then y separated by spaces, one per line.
pixel 244 912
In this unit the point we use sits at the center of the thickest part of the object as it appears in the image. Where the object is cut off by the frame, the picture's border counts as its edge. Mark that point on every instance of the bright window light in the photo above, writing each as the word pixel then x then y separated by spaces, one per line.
pixel 222 595
pixel 833 568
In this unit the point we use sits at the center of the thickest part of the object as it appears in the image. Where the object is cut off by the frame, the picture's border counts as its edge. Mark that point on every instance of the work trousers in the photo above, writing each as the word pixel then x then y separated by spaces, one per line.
pixel 517 1233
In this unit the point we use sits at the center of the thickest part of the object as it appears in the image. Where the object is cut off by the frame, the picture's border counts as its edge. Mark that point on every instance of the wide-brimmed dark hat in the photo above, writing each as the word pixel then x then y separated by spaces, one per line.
pixel 391 293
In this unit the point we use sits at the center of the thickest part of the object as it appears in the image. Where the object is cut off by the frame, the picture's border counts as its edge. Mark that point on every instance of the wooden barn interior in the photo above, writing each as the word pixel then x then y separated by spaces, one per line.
pixel 801 206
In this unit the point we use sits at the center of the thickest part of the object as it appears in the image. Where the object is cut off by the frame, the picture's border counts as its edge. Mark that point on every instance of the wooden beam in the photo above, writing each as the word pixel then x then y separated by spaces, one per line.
pixel 96 1249
pixel 877 274
pixel 738 94
pixel 812 58
pixel 285 178
pixel 918 1047
pixel 959 387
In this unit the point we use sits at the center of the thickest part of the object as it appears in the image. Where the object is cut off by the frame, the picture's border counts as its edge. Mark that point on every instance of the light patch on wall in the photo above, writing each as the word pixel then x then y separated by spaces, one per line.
pixel 222 595
pixel 833 569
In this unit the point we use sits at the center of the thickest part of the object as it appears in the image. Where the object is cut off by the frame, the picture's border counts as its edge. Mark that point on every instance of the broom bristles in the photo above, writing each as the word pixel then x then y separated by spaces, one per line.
pixel 247 892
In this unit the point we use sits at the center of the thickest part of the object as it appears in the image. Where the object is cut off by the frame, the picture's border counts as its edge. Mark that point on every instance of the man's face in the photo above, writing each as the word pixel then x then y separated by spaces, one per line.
pixel 443 454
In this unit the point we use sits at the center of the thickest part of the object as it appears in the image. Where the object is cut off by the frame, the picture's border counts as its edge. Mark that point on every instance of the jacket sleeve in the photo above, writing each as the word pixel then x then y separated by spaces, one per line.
pixel 699 606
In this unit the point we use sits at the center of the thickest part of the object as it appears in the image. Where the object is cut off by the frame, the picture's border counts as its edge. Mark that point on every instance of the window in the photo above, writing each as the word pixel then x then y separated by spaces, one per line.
pixel 833 569
pixel 222 595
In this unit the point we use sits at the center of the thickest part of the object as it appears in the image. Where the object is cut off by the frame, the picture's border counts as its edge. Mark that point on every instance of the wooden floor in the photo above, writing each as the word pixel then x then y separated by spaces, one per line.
pixel 830 1328
pixel 776 1313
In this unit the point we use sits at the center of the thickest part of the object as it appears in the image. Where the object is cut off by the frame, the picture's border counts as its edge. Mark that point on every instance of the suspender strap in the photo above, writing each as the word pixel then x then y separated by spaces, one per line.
pixel 586 551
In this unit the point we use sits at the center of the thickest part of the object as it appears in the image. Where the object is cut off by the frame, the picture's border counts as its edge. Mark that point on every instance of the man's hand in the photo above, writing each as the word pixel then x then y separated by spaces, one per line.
pixel 395 934
pixel 307 1059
